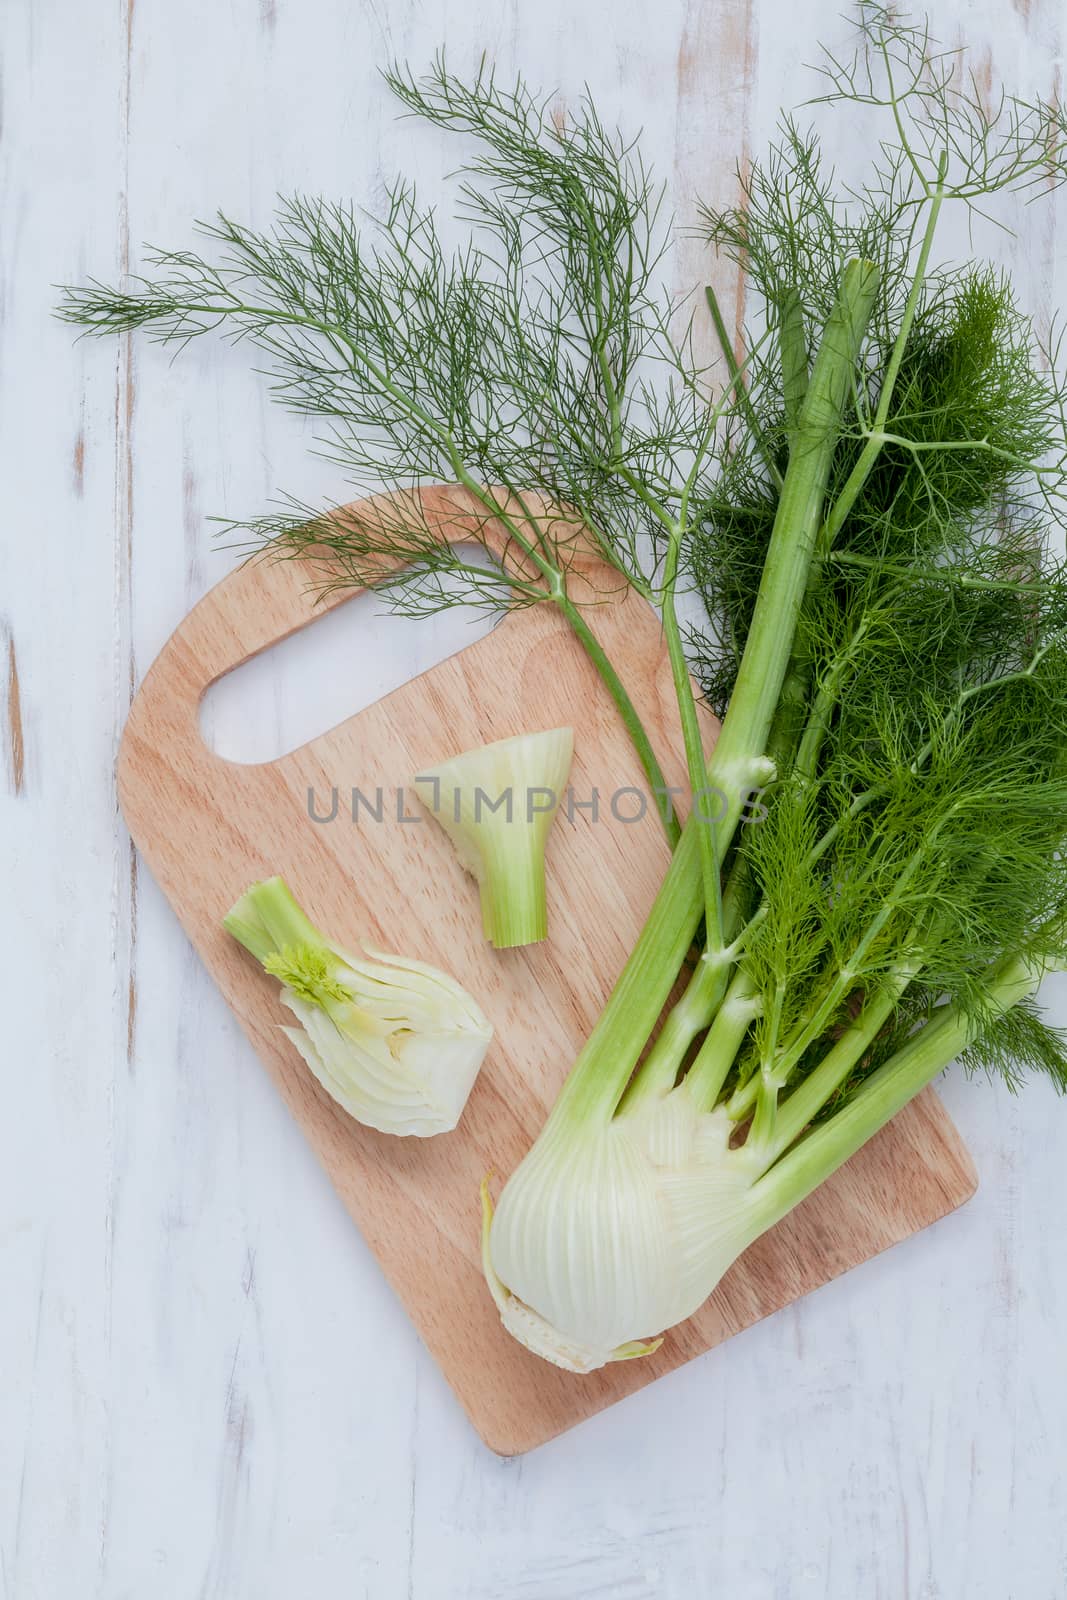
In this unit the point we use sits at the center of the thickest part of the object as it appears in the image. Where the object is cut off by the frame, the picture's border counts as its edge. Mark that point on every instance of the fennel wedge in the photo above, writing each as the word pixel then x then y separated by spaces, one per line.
pixel 395 1042
pixel 497 804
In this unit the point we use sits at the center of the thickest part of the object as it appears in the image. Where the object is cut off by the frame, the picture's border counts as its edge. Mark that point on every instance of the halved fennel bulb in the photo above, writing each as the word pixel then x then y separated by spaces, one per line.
pixel 397 1043
pixel 496 804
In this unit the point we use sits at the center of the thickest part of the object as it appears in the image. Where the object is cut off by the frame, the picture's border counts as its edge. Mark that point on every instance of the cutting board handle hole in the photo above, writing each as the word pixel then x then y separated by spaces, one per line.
pixel 339 663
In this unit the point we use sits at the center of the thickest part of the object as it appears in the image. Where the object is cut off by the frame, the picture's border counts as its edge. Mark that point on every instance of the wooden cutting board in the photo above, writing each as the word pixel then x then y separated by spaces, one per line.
pixel 207 828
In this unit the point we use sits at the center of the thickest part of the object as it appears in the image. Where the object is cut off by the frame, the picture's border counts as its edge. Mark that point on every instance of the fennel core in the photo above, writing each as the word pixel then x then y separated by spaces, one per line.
pixel 866 513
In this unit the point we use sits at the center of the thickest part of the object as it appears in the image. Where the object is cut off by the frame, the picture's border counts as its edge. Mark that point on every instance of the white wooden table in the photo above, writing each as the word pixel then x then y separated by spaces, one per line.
pixel 205 1387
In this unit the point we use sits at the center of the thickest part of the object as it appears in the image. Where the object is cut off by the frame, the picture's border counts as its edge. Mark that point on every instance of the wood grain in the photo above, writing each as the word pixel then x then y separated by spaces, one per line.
pixel 207 828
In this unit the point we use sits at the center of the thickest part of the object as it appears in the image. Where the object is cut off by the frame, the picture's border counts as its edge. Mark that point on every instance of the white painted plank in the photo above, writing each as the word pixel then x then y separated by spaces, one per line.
pixel 63 951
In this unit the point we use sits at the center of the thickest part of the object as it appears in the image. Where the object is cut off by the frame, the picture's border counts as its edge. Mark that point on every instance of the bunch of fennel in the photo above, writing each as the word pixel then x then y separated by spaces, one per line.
pixel 866 510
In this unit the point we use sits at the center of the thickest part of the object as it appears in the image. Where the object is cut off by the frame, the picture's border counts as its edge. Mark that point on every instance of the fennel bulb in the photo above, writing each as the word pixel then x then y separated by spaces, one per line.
pixel 395 1042
pixel 614 1228
pixel 497 804
pixel 604 1238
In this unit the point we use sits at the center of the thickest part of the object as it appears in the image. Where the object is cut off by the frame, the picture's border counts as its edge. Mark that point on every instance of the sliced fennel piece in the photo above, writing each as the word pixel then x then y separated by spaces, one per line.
pixel 497 804
pixel 397 1043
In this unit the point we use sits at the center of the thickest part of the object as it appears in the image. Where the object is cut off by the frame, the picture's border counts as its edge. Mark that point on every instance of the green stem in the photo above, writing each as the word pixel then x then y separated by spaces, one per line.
pixel 743 740
pixel 740 388
pixel 676 528
pixel 687 1018
pixel 600 1075
pixel 872 449
pixel 809 1029
pixel 765 1118
pixel 915 1064
pixel 694 750
pixel 267 920
pixel 793 356
pixel 701 1001
pixel 698 1005
pixel 628 712
pixel 943 575
pixel 717 1054
pixel 809 1097
pixel 822 708
pixel 790 716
